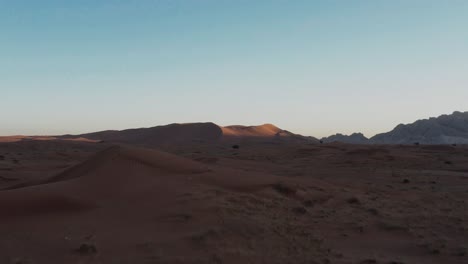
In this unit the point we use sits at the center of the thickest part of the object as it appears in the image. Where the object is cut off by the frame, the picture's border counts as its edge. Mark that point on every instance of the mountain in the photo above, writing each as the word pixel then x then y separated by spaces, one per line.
pixel 445 129
pixel 355 138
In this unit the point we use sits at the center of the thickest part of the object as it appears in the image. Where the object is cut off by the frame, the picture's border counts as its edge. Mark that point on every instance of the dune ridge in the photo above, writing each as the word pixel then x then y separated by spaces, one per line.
pixel 265 130
pixel 158 135
pixel 176 134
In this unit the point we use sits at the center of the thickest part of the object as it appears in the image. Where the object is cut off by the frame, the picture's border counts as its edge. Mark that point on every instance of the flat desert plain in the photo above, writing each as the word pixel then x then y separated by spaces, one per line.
pixel 263 202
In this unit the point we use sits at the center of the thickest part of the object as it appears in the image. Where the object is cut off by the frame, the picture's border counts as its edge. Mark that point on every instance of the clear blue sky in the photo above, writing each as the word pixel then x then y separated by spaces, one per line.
pixel 312 67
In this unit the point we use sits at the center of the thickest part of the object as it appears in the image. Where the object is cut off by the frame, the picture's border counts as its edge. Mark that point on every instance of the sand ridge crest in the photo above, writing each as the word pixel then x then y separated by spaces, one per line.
pixel 265 130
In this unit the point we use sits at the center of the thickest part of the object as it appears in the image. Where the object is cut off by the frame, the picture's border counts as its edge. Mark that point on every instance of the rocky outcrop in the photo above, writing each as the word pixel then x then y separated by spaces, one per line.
pixel 445 129
pixel 355 138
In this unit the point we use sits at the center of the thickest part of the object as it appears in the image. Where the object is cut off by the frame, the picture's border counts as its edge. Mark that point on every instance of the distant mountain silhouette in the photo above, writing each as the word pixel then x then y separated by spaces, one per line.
pixel 355 138
pixel 445 129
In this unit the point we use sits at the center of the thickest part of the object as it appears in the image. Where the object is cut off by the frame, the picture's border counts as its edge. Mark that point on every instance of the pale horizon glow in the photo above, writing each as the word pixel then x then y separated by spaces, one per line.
pixel 311 67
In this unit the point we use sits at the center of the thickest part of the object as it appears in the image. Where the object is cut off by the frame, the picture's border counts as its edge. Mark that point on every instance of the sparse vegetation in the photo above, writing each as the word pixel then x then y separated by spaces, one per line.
pixel 353 200
pixel 368 261
pixel 284 188
pixel 461 252
pixel 299 210
pixel 392 226
pixel 86 249
pixel 373 211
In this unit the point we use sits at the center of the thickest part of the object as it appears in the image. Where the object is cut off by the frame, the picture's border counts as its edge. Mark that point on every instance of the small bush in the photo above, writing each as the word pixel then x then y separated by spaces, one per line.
pixel 299 210
pixel 353 200
pixel 284 189
pixel 86 249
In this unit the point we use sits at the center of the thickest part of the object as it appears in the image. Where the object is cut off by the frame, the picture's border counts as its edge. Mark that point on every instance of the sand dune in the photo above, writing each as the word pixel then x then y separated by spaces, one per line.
pixel 5 139
pixel 190 133
pixel 116 174
pixel 266 130
pixel 176 134
pixel 159 135
pixel 126 196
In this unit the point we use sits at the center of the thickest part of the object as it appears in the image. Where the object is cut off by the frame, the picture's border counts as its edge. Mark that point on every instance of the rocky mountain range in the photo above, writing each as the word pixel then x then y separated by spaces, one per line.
pixel 445 129
pixel 355 138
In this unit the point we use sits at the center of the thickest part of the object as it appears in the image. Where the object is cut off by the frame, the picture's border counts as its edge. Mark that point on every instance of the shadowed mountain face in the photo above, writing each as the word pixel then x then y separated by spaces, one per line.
pixel 445 129
pixel 355 138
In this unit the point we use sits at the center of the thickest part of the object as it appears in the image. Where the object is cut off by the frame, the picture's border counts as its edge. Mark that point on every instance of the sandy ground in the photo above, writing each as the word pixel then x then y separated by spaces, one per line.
pixel 265 202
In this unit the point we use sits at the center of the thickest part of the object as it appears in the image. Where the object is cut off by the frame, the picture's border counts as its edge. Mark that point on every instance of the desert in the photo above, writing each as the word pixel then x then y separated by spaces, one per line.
pixel 199 200
pixel 233 132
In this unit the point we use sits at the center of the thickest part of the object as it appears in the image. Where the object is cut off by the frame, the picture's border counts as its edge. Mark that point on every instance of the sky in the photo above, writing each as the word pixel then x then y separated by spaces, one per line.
pixel 312 67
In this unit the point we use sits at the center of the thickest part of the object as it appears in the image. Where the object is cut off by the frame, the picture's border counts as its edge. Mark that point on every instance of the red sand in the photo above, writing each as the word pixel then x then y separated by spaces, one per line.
pixel 209 203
